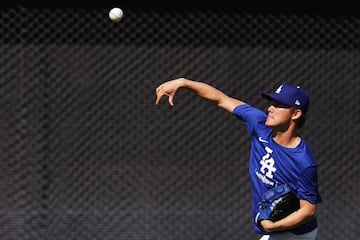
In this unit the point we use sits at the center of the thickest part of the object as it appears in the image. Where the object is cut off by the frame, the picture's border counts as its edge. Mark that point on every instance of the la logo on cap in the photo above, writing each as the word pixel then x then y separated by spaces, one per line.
pixel 279 89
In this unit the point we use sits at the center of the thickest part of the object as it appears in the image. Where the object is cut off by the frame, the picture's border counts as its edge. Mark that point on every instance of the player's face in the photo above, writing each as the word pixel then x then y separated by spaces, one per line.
pixel 279 114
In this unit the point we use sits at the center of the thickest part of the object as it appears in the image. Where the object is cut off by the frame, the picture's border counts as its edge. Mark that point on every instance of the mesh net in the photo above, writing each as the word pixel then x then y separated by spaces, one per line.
pixel 86 154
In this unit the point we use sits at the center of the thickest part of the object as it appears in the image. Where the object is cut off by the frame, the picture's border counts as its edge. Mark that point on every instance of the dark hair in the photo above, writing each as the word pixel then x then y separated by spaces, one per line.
pixel 301 121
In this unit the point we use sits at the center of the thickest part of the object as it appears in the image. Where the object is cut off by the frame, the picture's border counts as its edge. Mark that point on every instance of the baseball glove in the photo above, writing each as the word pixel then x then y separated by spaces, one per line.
pixel 276 204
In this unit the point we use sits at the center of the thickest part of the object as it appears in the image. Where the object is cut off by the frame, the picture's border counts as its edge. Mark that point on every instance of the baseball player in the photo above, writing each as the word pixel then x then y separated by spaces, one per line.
pixel 278 154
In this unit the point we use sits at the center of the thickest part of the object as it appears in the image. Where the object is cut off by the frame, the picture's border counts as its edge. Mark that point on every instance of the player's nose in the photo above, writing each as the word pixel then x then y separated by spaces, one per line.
pixel 270 108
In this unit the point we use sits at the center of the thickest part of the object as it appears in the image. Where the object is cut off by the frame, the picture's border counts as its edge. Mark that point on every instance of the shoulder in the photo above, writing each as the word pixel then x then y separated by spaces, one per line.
pixel 253 118
pixel 249 114
pixel 307 154
pixel 247 109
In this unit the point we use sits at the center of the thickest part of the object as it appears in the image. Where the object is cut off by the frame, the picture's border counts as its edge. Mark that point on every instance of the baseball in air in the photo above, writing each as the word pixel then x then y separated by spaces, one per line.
pixel 116 14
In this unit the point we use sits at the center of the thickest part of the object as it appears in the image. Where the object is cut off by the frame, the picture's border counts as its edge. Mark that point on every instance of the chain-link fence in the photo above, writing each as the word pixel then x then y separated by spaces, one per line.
pixel 86 154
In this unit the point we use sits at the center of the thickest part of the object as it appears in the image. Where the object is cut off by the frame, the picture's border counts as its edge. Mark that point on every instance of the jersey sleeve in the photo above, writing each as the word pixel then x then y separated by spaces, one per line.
pixel 308 185
pixel 250 116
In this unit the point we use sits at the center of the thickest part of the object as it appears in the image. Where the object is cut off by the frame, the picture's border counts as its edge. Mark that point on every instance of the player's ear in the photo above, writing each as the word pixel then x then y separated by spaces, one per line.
pixel 297 114
pixel 299 117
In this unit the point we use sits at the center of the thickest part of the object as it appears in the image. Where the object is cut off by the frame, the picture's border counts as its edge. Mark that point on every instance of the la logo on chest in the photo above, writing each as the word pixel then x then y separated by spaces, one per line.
pixel 267 163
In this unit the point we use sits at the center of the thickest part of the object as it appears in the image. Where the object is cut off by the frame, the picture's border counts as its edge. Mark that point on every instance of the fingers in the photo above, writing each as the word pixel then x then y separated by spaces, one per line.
pixel 171 100
pixel 158 98
pixel 160 92
pixel 159 95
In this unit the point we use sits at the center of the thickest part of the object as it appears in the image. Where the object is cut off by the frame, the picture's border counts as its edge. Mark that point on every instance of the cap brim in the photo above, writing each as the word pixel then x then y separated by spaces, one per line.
pixel 276 97
pixel 267 96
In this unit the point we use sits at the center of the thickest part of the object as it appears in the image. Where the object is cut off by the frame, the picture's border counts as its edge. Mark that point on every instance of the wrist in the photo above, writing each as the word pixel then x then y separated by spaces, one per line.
pixel 268 225
pixel 183 82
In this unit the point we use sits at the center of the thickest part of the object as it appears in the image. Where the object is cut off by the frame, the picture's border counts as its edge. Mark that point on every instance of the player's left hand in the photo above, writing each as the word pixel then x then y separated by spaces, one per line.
pixel 276 204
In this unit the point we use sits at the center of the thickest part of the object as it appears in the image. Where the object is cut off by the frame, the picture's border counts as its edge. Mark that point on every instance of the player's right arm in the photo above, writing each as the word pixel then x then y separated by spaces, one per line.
pixel 203 90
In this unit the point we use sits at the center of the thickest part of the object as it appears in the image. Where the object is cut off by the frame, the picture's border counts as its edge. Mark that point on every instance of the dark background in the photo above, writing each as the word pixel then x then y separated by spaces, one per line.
pixel 86 154
pixel 333 7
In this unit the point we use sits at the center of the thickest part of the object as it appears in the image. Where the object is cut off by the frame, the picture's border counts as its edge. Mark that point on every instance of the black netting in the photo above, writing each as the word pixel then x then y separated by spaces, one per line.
pixel 86 154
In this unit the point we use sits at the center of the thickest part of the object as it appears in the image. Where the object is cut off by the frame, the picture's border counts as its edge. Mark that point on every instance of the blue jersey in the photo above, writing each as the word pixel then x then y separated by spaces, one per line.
pixel 272 164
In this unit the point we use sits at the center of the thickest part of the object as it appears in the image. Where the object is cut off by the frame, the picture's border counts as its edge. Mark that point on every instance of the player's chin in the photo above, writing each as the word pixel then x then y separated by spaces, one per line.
pixel 269 122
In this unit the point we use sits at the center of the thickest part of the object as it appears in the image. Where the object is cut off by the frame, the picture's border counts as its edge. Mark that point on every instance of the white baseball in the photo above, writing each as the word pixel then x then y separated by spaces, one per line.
pixel 116 14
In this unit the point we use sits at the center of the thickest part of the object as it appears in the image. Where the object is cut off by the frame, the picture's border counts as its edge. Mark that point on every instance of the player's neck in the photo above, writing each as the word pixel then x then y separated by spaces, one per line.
pixel 288 139
pixel 288 143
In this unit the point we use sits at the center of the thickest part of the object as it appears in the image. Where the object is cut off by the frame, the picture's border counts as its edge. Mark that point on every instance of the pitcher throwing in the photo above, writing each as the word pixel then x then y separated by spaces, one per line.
pixel 278 155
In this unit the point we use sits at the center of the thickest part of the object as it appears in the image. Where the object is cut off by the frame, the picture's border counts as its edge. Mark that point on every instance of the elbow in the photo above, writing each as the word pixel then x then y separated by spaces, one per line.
pixel 308 209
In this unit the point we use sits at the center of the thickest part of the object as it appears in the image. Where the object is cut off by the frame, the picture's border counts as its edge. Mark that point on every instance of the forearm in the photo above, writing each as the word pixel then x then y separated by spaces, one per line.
pixel 297 218
pixel 203 90
pixel 212 94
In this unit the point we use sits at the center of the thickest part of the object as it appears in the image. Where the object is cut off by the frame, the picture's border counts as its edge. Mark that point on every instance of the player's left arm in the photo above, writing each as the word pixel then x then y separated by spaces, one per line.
pixel 304 214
